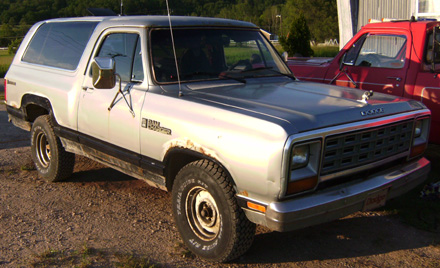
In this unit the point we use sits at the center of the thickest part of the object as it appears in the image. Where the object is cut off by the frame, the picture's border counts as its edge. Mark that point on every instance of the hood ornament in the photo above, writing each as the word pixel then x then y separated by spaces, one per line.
pixel 366 96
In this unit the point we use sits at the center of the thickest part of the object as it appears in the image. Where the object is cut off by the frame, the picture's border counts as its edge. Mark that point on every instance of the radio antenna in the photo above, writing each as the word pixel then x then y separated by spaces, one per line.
pixel 174 51
pixel 122 4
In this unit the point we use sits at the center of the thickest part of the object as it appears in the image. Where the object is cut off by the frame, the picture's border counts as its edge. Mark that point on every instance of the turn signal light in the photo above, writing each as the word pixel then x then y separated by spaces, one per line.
pixel 418 150
pixel 302 185
pixel 256 207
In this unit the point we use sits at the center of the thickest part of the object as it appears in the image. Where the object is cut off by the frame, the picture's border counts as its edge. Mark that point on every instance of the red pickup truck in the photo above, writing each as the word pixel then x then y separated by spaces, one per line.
pixel 400 58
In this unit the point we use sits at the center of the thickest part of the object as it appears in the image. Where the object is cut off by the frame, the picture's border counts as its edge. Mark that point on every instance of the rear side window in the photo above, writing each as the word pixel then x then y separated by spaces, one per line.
pixel 59 44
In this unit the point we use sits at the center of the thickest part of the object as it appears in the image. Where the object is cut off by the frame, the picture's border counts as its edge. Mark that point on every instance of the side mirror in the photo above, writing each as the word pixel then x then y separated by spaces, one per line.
pixel 104 73
pixel 285 56
pixel 342 62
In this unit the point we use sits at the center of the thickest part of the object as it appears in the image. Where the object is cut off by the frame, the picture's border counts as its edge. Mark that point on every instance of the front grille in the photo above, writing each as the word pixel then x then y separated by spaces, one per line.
pixel 358 148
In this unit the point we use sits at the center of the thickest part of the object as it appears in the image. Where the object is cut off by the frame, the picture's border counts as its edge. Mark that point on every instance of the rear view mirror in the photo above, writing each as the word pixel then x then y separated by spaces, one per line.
pixel 104 73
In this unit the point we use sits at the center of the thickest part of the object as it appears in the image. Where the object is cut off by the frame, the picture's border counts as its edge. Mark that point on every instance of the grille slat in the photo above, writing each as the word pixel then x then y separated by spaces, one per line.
pixel 358 148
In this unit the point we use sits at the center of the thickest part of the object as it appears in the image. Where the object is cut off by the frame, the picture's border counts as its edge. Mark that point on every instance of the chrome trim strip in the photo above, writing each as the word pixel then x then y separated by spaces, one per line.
pixel 361 83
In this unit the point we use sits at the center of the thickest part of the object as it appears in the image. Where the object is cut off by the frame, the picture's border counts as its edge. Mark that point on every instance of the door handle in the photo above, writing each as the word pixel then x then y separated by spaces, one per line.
pixel 85 88
pixel 398 79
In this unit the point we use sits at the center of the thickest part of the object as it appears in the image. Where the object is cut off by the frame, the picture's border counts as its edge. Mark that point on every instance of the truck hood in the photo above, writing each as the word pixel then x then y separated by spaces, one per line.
pixel 300 106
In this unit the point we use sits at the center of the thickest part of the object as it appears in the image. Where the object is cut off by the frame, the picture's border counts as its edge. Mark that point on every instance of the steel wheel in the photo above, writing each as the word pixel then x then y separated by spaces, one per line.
pixel 51 160
pixel 43 149
pixel 202 213
pixel 207 215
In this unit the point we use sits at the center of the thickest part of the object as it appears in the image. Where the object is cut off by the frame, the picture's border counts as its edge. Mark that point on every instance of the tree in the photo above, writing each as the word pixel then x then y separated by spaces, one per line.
pixel 297 41
pixel 6 34
pixel 13 46
pixel 321 16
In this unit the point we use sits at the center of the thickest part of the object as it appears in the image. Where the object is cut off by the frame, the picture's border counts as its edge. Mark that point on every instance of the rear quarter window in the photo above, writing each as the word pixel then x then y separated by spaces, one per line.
pixel 59 44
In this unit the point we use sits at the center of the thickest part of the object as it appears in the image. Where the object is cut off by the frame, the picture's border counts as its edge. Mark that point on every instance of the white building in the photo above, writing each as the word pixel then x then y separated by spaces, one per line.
pixel 353 14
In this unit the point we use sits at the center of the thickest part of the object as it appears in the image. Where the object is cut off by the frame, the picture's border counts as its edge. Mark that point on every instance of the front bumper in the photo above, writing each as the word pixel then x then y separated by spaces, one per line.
pixel 340 200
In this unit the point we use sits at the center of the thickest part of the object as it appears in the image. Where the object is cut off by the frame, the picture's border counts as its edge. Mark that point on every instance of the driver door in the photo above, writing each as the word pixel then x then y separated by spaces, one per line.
pixel 377 62
pixel 120 124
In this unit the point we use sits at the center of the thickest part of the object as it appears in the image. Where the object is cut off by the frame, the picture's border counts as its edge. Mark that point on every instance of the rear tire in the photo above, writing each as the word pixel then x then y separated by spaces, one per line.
pixel 207 216
pixel 53 163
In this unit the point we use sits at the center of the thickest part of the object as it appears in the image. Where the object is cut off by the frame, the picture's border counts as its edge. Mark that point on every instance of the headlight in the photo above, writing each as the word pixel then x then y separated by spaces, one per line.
pixel 418 128
pixel 420 136
pixel 304 165
pixel 300 156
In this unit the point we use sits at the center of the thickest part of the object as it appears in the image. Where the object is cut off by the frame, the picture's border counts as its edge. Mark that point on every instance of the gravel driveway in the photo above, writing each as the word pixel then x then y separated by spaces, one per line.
pixel 102 218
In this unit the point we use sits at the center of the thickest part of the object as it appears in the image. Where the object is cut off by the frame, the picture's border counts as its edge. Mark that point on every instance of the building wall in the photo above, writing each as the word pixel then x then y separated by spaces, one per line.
pixel 378 9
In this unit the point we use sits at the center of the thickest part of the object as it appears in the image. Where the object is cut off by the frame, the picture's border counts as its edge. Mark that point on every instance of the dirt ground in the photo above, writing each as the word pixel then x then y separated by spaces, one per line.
pixel 102 218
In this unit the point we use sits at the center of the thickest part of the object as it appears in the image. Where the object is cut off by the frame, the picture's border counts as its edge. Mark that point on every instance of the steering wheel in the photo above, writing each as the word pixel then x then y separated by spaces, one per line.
pixel 373 59
pixel 242 65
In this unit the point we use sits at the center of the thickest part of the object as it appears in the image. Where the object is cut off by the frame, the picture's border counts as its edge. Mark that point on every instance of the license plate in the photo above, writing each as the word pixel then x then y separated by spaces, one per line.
pixel 376 199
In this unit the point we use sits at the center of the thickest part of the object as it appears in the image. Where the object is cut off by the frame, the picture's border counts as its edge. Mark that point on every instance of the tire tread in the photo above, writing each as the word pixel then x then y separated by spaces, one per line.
pixel 66 161
pixel 245 230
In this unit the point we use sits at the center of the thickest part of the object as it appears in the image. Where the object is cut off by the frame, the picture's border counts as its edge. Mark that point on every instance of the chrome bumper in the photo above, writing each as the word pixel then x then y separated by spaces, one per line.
pixel 341 200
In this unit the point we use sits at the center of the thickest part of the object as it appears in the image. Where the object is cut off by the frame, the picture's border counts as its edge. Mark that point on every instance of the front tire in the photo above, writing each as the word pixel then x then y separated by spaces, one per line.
pixel 207 215
pixel 53 163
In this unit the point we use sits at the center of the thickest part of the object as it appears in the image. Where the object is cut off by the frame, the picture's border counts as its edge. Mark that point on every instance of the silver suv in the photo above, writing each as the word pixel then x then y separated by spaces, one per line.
pixel 211 112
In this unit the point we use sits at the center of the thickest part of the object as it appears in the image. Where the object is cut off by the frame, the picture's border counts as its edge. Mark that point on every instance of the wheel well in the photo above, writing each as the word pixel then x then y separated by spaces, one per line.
pixel 176 159
pixel 35 106
pixel 33 111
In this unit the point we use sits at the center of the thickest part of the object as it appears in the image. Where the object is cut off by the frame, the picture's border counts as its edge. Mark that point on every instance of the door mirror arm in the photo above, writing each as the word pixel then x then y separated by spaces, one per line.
pixel 342 63
pixel 104 77
pixel 122 94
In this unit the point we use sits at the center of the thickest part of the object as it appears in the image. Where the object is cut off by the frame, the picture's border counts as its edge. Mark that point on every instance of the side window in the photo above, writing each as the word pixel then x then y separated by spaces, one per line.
pixel 59 44
pixel 433 54
pixel 384 51
pixel 138 70
pixel 121 47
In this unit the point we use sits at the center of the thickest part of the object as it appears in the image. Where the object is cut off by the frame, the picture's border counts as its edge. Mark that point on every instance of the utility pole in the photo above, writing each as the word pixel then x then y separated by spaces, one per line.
pixel 281 24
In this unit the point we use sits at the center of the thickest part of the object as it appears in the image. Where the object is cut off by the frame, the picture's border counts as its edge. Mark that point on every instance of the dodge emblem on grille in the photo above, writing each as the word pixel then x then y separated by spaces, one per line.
pixel 372 112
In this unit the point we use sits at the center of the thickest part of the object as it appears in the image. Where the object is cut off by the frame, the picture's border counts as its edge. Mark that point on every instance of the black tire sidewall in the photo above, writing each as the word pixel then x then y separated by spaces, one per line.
pixel 41 126
pixel 217 248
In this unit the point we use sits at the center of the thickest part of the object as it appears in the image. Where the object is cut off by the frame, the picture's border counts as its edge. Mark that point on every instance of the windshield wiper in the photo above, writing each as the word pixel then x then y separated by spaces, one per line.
pixel 287 75
pixel 225 76
pixel 257 69
pixel 270 69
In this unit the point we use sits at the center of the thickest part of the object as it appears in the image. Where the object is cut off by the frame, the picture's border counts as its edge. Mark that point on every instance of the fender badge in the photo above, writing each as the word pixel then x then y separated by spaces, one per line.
pixel 155 126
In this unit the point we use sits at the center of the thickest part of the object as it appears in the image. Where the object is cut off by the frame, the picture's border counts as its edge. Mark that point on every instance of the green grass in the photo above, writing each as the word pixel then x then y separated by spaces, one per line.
pixel 325 51
pixel 319 51
pixel 5 61
pixel 87 256
pixel 235 53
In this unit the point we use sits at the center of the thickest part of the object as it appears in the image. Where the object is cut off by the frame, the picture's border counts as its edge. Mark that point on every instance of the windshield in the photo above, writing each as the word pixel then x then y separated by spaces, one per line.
pixel 207 54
